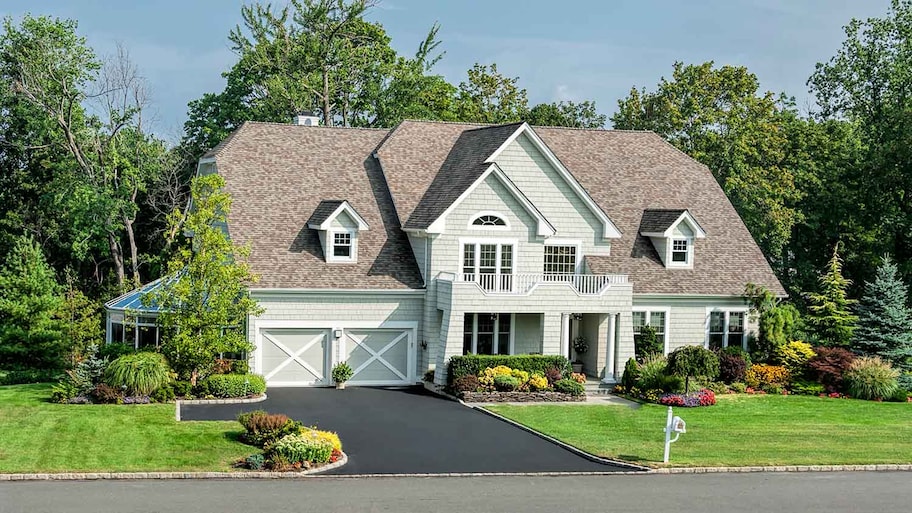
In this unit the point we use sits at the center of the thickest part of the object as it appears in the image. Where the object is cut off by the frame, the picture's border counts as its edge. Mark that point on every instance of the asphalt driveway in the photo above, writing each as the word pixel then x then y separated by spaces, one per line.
pixel 409 430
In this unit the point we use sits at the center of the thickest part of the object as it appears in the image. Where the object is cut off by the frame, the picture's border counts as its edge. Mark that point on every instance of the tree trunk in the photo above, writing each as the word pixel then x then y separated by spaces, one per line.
pixel 134 253
pixel 327 114
pixel 117 256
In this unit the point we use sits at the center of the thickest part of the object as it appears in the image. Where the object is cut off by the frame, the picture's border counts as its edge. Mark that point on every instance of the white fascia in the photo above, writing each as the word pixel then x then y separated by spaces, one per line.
pixel 610 231
pixel 544 227
pixel 344 207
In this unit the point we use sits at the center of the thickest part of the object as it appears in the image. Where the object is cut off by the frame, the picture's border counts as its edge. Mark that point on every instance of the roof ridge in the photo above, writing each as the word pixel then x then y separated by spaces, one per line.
pixel 489 125
pixel 224 143
pixel 277 123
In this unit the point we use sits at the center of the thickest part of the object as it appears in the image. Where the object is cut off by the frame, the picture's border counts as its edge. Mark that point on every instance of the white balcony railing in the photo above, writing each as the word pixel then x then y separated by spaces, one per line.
pixel 586 284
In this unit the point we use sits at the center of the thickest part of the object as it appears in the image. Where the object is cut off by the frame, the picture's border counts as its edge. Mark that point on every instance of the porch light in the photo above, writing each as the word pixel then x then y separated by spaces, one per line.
pixel 577 316
pixel 337 333
pixel 493 316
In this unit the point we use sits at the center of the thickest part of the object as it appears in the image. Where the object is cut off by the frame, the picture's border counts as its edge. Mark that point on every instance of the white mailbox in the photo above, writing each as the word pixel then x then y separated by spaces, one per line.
pixel 678 425
pixel 674 425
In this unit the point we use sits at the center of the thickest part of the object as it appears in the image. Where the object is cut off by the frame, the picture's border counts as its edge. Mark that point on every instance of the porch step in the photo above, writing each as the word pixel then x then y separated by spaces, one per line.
pixel 598 388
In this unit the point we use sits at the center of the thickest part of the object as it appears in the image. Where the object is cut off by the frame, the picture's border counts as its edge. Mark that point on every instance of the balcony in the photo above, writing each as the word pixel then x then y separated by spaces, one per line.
pixel 522 284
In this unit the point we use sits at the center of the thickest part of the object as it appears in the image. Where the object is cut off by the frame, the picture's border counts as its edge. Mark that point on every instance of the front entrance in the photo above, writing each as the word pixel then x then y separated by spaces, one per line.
pixel 298 354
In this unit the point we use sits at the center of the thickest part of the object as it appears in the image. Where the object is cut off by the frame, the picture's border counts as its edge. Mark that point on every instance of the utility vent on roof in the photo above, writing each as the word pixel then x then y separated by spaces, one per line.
pixel 307 118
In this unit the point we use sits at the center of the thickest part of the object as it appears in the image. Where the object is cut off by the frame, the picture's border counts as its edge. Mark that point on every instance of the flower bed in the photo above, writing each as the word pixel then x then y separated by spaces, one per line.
pixel 287 444
pixel 520 397
pixel 702 398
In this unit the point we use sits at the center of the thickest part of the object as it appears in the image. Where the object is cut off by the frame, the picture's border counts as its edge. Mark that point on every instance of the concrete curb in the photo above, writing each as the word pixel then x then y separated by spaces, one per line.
pixel 575 450
pixel 96 476
pixel 245 400
pixel 785 468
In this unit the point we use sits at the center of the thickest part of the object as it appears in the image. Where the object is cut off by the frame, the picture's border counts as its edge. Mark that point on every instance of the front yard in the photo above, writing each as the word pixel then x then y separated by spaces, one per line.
pixel 741 430
pixel 39 436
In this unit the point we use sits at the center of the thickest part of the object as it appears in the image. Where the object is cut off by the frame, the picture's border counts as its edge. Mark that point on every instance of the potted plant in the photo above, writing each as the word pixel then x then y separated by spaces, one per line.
pixel 341 373
pixel 580 346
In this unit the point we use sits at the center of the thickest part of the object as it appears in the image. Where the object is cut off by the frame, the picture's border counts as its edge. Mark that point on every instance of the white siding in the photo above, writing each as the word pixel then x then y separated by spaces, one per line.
pixel 687 317
pixel 528 336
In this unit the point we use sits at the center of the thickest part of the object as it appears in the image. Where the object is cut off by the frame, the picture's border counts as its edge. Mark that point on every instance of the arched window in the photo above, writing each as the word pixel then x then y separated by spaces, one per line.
pixel 488 220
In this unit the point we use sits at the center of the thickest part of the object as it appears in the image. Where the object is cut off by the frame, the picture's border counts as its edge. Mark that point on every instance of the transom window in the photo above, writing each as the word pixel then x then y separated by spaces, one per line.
pixel 486 333
pixel 342 245
pixel 679 251
pixel 488 220
pixel 655 319
pixel 560 259
pixel 726 328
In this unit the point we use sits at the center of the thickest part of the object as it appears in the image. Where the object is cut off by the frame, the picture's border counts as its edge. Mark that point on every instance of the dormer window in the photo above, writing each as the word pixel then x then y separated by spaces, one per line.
pixel 342 245
pixel 338 225
pixel 672 233
pixel 488 221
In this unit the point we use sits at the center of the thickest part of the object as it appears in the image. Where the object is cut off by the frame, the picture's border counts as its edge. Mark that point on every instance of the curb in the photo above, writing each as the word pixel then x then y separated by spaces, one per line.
pixel 636 469
pixel 97 476
pixel 245 400
pixel 785 469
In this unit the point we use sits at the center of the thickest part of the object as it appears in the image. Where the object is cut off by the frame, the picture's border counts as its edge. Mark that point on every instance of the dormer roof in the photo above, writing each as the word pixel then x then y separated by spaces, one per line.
pixel 328 210
pixel 662 223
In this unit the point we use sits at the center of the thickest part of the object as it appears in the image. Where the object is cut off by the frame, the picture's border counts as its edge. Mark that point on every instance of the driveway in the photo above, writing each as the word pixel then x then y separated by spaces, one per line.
pixel 409 430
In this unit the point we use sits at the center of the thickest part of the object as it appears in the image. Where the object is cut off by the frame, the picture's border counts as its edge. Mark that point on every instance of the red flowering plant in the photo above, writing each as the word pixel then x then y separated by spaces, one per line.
pixel 704 397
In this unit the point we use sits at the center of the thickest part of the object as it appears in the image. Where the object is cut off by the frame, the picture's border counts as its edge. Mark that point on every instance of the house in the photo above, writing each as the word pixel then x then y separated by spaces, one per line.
pixel 395 250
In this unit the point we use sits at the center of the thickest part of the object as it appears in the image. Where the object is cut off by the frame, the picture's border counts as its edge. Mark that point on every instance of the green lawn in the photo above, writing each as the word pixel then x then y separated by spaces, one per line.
pixel 39 436
pixel 741 430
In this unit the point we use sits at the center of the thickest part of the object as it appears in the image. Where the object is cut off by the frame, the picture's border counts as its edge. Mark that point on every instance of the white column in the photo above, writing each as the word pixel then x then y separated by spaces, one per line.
pixel 610 357
pixel 564 340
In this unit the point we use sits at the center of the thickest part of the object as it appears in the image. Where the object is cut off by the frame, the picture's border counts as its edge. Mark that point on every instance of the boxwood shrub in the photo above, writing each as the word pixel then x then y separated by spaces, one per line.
pixel 235 385
pixel 568 386
pixel 473 364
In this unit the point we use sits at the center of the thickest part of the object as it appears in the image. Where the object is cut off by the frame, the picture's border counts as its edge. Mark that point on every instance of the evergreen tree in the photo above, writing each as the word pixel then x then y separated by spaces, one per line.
pixel 884 321
pixel 829 317
pixel 30 334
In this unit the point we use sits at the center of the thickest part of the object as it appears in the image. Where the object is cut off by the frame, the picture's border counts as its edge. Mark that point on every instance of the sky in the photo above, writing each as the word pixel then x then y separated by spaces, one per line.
pixel 567 50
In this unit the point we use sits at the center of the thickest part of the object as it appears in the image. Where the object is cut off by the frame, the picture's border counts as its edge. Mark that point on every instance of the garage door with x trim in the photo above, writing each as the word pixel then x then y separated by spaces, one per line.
pixel 295 356
pixel 378 356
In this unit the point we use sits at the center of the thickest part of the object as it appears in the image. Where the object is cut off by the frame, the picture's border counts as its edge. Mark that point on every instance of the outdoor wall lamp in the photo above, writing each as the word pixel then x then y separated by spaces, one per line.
pixel 337 333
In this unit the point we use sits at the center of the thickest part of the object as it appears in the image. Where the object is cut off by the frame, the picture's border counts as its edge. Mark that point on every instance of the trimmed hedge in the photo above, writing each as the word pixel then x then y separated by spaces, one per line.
pixel 235 385
pixel 473 364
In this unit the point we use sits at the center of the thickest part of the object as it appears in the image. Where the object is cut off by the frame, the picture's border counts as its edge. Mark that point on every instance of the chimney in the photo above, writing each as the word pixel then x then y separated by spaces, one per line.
pixel 307 118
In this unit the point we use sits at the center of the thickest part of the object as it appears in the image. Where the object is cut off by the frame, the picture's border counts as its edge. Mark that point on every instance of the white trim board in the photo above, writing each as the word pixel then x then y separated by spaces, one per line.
pixel 346 207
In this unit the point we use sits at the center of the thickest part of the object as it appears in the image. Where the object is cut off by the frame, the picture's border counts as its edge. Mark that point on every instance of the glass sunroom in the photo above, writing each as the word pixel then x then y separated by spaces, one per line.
pixel 130 322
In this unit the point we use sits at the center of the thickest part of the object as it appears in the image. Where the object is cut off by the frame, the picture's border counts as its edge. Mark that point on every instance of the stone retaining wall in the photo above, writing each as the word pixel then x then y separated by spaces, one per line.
pixel 520 397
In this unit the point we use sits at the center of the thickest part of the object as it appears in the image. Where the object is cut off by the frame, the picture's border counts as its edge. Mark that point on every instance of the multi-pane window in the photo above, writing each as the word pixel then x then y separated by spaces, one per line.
pixel 560 259
pixel 488 221
pixel 488 264
pixel 655 319
pixel 679 251
pixel 486 333
pixel 468 260
pixel 342 245
pixel 726 329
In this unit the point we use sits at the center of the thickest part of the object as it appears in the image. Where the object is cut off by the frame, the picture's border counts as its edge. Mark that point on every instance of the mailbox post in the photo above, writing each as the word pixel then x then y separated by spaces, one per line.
pixel 674 425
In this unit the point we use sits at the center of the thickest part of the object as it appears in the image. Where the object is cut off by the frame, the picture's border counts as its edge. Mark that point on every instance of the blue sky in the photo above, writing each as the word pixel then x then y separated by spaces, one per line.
pixel 567 50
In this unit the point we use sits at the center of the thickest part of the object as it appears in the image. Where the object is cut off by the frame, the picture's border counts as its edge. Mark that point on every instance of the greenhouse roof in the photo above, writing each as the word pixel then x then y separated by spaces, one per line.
pixel 132 300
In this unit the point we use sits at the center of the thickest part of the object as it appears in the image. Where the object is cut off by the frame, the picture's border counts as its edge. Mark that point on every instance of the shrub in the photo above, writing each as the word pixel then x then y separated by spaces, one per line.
pixel 738 387
pixel 182 388
pixel 163 394
pixel 731 367
pixel 717 387
pixel 905 381
pixel 804 387
pixel 303 448
pixel 651 372
pixel 474 364
pixel 255 461
pixel 647 343
pixel 466 384
pixel 690 361
pixel 568 386
pixel 342 372
pixel 521 375
pixel 235 385
pixel 26 376
pixel 115 350
pixel 506 383
pixel 138 373
pixel 631 374
pixel 794 357
pixel 899 396
pixel 106 394
pixel 487 376
pixel 829 365
pixel 64 391
pixel 429 376
pixel 579 377
pixel 240 367
pixel 538 382
pixel 553 374
pixel 261 428
pixel 871 378
pixel 763 376
pixel 330 437
pixel 737 351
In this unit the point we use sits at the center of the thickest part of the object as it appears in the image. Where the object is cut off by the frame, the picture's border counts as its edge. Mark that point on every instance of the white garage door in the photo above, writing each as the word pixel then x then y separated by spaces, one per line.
pixel 295 356
pixel 378 356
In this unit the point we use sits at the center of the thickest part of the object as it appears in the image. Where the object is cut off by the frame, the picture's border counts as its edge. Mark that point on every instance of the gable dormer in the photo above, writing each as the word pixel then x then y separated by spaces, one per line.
pixel 338 225
pixel 672 233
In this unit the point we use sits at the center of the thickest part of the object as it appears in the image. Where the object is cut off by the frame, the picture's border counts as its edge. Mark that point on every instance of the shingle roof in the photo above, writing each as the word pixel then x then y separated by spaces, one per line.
pixel 323 211
pixel 461 168
pixel 278 174
pixel 658 220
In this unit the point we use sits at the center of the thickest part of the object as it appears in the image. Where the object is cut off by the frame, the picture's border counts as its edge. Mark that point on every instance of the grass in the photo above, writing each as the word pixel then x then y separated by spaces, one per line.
pixel 740 430
pixel 39 436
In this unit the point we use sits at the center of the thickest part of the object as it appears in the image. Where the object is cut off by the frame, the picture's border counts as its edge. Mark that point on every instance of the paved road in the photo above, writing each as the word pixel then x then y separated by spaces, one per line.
pixel 707 493
pixel 403 431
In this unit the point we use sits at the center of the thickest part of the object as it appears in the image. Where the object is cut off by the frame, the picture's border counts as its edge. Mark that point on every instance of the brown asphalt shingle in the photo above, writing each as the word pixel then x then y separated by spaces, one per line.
pixel 658 220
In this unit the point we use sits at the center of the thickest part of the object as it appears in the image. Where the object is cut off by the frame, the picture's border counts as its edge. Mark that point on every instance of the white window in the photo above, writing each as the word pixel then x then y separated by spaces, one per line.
pixel 655 318
pixel 137 331
pixel 342 246
pixel 725 328
pixel 679 252
pixel 488 263
pixel 560 259
pixel 489 220
pixel 487 333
